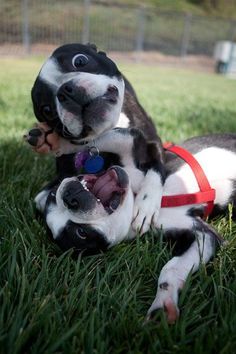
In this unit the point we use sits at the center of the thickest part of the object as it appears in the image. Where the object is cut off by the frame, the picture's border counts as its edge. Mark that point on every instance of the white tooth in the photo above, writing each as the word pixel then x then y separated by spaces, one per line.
pixel 98 200
pixel 84 184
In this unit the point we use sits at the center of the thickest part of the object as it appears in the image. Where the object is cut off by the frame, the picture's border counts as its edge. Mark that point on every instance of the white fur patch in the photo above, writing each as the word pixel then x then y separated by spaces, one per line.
pixel 68 119
pixel 123 121
pixel 56 220
pixel 52 74
pixel 116 227
pixel 176 218
pixel 97 84
pixel 40 200
pixel 147 202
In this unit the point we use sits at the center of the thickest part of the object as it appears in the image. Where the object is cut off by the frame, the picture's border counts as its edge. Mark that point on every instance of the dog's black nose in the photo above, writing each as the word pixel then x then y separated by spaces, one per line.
pixel 65 91
pixel 75 197
pixel 71 201
pixel 69 92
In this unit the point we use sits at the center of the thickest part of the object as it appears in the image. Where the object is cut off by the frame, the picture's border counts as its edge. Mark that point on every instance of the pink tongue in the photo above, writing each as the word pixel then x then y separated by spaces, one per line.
pixel 105 186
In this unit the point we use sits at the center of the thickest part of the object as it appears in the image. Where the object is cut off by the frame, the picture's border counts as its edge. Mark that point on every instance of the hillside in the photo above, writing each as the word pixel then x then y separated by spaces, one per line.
pixel 221 8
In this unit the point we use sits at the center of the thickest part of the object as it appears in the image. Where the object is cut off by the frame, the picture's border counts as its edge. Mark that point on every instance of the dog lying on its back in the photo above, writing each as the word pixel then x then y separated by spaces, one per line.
pixel 80 93
pixel 94 212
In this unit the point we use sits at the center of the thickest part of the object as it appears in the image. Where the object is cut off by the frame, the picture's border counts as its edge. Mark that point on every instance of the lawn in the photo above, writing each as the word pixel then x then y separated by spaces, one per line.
pixel 51 303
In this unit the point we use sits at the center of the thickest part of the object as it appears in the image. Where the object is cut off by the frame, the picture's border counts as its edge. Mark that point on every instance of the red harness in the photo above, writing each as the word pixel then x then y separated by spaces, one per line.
pixel 206 193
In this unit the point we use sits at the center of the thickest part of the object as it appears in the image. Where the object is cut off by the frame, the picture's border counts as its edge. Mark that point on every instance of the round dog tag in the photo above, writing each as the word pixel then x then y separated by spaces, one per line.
pixel 94 164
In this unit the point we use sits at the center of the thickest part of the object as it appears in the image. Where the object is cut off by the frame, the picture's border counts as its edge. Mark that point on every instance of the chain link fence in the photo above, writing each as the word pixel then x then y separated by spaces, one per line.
pixel 33 26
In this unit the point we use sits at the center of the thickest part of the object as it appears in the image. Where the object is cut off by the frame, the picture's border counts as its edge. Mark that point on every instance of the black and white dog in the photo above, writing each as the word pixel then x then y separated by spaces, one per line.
pixel 94 212
pixel 81 94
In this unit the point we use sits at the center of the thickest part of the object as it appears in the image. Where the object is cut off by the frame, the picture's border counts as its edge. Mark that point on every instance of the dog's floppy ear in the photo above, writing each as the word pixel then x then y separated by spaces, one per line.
pixel 92 46
pixel 147 154
pixel 151 157
pixel 154 153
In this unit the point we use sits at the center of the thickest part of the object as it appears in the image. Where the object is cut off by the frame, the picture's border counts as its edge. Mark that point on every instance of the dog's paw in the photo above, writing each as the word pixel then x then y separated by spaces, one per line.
pixel 42 139
pixel 146 211
pixel 169 307
pixel 35 137
pixel 167 300
pixel 147 203
pixel 169 286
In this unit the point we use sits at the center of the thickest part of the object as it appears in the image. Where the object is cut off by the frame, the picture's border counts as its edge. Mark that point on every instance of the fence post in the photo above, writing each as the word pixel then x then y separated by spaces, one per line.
pixel 86 22
pixel 232 31
pixel 186 35
pixel 139 45
pixel 25 26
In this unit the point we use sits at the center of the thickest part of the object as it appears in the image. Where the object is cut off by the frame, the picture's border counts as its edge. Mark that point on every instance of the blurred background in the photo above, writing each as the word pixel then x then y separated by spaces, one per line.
pixel 162 31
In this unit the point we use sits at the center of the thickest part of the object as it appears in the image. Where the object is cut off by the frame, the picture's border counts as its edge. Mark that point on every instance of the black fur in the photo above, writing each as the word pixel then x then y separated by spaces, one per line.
pixel 98 63
pixel 81 238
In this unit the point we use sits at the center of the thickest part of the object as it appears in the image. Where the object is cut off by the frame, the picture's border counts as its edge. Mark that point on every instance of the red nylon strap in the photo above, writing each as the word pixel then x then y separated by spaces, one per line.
pixel 206 194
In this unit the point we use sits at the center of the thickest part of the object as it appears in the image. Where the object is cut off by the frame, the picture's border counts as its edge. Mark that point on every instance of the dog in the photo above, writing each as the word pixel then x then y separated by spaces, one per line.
pixel 91 213
pixel 80 94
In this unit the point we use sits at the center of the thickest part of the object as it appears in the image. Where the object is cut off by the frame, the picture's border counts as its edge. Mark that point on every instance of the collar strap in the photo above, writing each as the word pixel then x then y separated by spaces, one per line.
pixel 206 193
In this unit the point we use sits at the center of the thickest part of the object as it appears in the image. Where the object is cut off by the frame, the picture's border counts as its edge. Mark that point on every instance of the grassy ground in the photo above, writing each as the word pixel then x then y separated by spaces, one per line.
pixel 53 304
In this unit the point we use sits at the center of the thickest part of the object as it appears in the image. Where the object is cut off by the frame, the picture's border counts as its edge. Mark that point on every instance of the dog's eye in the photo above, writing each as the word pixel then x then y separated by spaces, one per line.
pixel 81 233
pixel 79 60
pixel 46 110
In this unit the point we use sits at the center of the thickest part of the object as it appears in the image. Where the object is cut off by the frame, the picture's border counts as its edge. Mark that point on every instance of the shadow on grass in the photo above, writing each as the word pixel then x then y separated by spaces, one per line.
pixel 22 175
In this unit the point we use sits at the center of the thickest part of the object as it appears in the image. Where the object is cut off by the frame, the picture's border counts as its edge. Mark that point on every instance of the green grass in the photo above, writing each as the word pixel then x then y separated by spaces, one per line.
pixel 53 304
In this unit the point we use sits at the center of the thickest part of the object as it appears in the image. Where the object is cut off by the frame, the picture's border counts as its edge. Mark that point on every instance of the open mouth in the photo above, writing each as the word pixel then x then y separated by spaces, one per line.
pixel 109 188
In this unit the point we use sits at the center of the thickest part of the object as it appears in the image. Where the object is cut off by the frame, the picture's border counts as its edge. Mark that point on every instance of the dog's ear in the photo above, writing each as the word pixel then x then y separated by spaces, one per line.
pixel 102 53
pixel 92 46
pixel 150 156
pixel 155 151
pixel 146 153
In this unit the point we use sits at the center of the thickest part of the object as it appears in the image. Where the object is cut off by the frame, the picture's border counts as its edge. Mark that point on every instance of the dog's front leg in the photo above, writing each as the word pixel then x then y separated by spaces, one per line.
pixel 174 274
pixel 147 202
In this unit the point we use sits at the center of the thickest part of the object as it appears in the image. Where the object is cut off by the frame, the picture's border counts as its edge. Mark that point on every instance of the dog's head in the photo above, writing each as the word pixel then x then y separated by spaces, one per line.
pixel 90 213
pixel 78 92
